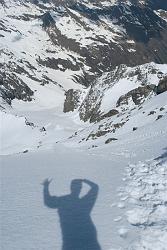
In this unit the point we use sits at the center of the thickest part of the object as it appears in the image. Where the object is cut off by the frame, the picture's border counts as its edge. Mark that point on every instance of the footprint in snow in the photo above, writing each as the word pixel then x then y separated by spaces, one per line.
pixel 117 219
pixel 113 205
pixel 124 198
pixel 123 232
pixel 121 205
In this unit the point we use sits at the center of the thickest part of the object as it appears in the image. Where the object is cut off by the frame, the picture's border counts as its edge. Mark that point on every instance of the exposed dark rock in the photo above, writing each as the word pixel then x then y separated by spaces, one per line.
pixel 2 2
pixel 157 4
pixel 99 133
pixel 89 109
pixel 47 20
pixel 135 128
pixel 72 98
pixel 55 64
pixel 12 87
pixel 140 23
pixel 159 117
pixel 25 151
pixel 43 129
pixel 112 112
pixel 162 108
pixel 31 124
pixel 162 86
pixel 110 140
pixel 152 112
pixel 138 95
pixel 118 125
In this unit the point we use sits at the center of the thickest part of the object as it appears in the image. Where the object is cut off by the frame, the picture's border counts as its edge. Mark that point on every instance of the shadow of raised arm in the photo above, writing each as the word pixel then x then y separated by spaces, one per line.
pixel 49 200
pixel 90 198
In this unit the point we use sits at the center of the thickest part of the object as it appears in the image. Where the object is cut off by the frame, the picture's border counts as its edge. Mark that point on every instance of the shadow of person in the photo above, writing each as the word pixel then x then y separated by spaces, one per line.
pixel 78 230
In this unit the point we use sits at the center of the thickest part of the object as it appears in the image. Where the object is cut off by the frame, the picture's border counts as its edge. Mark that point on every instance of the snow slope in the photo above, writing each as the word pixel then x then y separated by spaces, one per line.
pixel 125 170
pixel 15 135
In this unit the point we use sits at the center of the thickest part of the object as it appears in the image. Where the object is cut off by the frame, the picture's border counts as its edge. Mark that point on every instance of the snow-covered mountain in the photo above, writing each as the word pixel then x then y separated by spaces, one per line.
pixel 83 95
pixel 50 43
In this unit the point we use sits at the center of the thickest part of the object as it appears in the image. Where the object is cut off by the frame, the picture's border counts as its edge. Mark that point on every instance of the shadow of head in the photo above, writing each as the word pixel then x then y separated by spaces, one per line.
pixel 76 186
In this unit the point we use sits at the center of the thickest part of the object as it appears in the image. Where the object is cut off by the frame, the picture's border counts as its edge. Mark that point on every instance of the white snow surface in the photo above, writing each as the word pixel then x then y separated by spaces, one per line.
pixel 20 136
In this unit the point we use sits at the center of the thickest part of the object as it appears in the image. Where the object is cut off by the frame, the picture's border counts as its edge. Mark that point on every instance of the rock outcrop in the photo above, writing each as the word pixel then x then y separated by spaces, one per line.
pixel 72 100
pixel 137 95
pixel 162 86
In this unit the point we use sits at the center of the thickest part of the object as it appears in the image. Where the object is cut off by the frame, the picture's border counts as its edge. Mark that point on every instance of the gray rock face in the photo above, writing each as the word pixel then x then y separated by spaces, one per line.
pixel 157 4
pixel 137 95
pixel 47 20
pixel 91 109
pixel 72 99
pixel 162 86
pixel 111 113
pixel 142 25
pixel 12 87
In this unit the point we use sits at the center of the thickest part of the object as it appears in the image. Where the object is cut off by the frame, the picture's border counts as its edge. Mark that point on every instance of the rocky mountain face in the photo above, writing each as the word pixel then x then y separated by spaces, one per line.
pixel 120 102
pixel 95 54
pixel 157 4
pixel 130 87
